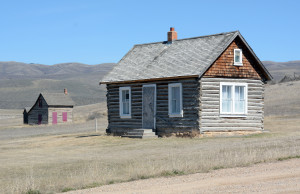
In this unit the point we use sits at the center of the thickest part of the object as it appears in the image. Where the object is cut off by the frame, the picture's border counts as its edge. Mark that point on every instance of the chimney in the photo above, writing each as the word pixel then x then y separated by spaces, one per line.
pixel 172 35
pixel 66 91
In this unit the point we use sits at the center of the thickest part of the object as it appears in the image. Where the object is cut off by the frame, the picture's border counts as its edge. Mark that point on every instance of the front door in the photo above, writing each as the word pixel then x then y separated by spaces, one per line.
pixel 40 118
pixel 149 106
pixel 54 118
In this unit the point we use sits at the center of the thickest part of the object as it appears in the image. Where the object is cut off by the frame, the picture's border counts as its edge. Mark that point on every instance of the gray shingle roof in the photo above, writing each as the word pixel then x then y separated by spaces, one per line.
pixel 184 57
pixel 58 99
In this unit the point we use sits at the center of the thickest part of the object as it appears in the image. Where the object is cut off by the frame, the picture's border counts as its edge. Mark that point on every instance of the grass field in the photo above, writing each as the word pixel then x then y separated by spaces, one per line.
pixel 57 163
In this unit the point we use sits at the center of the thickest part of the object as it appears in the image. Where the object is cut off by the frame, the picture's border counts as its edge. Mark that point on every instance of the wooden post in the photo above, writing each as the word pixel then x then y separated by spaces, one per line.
pixel 96 127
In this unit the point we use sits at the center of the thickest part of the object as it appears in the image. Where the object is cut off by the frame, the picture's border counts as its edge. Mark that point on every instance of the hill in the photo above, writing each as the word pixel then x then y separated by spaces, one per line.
pixel 20 83
pixel 280 69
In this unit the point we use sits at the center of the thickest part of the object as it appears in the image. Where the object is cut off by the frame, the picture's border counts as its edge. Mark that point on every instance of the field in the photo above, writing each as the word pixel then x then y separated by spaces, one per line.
pixel 59 162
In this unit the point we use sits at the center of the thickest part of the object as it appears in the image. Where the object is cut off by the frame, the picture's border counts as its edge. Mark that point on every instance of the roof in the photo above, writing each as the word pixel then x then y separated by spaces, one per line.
pixel 180 58
pixel 58 99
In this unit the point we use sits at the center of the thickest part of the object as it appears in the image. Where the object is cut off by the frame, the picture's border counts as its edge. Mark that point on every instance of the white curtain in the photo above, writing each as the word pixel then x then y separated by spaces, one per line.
pixel 239 99
pixel 226 98
pixel 125 101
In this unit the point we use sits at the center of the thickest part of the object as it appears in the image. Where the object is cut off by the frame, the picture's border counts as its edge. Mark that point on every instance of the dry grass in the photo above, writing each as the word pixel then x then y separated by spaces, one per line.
pixel 64 162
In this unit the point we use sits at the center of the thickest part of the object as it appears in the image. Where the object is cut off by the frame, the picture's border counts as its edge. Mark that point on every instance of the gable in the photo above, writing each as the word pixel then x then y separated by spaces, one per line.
pixel 223 66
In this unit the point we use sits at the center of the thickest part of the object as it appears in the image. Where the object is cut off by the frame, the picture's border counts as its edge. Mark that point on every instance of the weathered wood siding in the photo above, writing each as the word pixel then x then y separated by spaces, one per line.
pixel 60 111
pixel 164 123
pixel 36 110
pixel 223 66
pixel 210 106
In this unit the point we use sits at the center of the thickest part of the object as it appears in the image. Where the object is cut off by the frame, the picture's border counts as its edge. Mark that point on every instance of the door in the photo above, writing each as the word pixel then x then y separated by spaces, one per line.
pixel 54 118
pixel 40 118
pixel 65 116
pixel 149 106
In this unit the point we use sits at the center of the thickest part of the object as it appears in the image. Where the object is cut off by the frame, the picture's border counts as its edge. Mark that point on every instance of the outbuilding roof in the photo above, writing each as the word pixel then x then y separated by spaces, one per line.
pixel 58 99
pixel 54 99
pixel 179 58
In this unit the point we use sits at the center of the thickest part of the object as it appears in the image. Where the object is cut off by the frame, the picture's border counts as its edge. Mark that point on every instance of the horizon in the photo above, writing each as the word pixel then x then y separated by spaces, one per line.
pixel 94 32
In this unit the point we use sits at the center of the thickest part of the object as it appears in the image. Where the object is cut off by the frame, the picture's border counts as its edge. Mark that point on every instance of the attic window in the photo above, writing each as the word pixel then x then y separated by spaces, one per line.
pixel 40 103
pixel 238 57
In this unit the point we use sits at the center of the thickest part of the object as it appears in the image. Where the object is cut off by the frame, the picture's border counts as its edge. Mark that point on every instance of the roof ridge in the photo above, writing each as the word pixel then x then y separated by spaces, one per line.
pixel 218 34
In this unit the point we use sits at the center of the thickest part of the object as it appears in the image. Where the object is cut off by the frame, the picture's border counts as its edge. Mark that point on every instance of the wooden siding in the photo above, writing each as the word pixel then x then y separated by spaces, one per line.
pixel 60 111
pixel 36 110
pixel 164 123
pixel 210 106
pixel 223 66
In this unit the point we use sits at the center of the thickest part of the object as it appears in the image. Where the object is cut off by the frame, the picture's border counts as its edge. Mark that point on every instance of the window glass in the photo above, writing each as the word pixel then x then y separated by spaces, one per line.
pixel 125 101
pixel 239 99
pixel 237 55
pixel 175 100
pixel 226 98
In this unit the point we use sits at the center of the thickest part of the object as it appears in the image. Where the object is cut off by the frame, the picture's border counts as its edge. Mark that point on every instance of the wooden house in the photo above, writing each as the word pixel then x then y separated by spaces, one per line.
pixel 50 108
pixel 209 83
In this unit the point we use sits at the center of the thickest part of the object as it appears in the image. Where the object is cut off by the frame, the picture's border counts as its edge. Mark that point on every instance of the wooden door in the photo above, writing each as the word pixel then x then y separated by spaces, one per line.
pixel 149 106
pixel 40 118
pixel 54 118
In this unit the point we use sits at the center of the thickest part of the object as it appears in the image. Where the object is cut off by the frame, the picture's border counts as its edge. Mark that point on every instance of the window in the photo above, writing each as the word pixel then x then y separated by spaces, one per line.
pixel 238 57
pixel 40 103
pixel 233 99
pixel 175 100
pixel 125 102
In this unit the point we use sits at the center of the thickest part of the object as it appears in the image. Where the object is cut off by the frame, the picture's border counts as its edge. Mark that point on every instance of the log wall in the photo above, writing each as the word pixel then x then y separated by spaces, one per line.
pixel 164 123
pixel 210 106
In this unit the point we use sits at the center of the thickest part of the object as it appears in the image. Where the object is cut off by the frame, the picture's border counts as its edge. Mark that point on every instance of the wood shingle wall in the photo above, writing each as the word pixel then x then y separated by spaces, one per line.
pixel 223 66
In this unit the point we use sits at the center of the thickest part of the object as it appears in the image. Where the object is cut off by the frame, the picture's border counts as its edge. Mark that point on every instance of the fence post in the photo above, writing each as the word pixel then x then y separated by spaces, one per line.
pixel 96 126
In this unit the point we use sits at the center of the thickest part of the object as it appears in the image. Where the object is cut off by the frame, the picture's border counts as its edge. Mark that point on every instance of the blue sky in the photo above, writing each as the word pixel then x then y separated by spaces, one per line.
pixel 95 31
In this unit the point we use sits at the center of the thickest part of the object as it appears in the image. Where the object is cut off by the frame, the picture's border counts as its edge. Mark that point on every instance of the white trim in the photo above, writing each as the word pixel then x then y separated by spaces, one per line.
pixel 238 63
pixel 123 116
pixel 170 99
pixel 233 113
pixel 155 96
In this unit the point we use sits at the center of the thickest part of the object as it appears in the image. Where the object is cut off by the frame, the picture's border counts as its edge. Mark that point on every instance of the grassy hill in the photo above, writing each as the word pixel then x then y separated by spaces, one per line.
pixel 280 69
pixel 20 83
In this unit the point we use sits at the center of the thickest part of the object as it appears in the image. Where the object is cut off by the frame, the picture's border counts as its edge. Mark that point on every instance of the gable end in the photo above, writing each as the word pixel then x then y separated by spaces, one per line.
pixel 224 65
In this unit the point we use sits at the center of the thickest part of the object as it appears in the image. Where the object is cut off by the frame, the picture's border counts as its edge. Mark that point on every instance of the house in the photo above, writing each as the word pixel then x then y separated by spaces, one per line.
pixel 50 108
pixel 209 83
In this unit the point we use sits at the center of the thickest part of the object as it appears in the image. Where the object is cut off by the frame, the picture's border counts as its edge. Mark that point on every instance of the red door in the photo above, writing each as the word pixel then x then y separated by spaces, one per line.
pixel 54 117
pixel 65 116
pixel 40 118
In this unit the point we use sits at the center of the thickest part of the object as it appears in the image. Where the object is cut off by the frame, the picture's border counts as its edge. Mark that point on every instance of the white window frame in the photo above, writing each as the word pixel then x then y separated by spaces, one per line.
pixel 121 103
pixel 238 63
pixel 170 86
pixel 233 113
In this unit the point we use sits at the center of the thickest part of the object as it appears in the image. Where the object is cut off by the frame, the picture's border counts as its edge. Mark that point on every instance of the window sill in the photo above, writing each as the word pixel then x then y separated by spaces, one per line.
pixel 233 115
pixel 175 115
pixel 125 116
pixel 238 64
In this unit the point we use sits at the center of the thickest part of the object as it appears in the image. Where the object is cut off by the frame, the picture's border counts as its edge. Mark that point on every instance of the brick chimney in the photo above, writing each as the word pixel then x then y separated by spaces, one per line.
pixel 172 35
pixel 66 91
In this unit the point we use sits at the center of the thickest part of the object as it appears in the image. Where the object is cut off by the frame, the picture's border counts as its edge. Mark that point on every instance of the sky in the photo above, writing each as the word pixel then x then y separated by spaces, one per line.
pixel 98 31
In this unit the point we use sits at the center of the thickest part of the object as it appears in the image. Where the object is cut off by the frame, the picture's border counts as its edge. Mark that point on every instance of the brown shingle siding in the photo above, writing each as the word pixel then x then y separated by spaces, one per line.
pixel 223 66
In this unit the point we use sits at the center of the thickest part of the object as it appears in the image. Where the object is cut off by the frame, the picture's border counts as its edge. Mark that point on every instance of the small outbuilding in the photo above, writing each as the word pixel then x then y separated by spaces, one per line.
pixel 211 83
pixel 50 108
